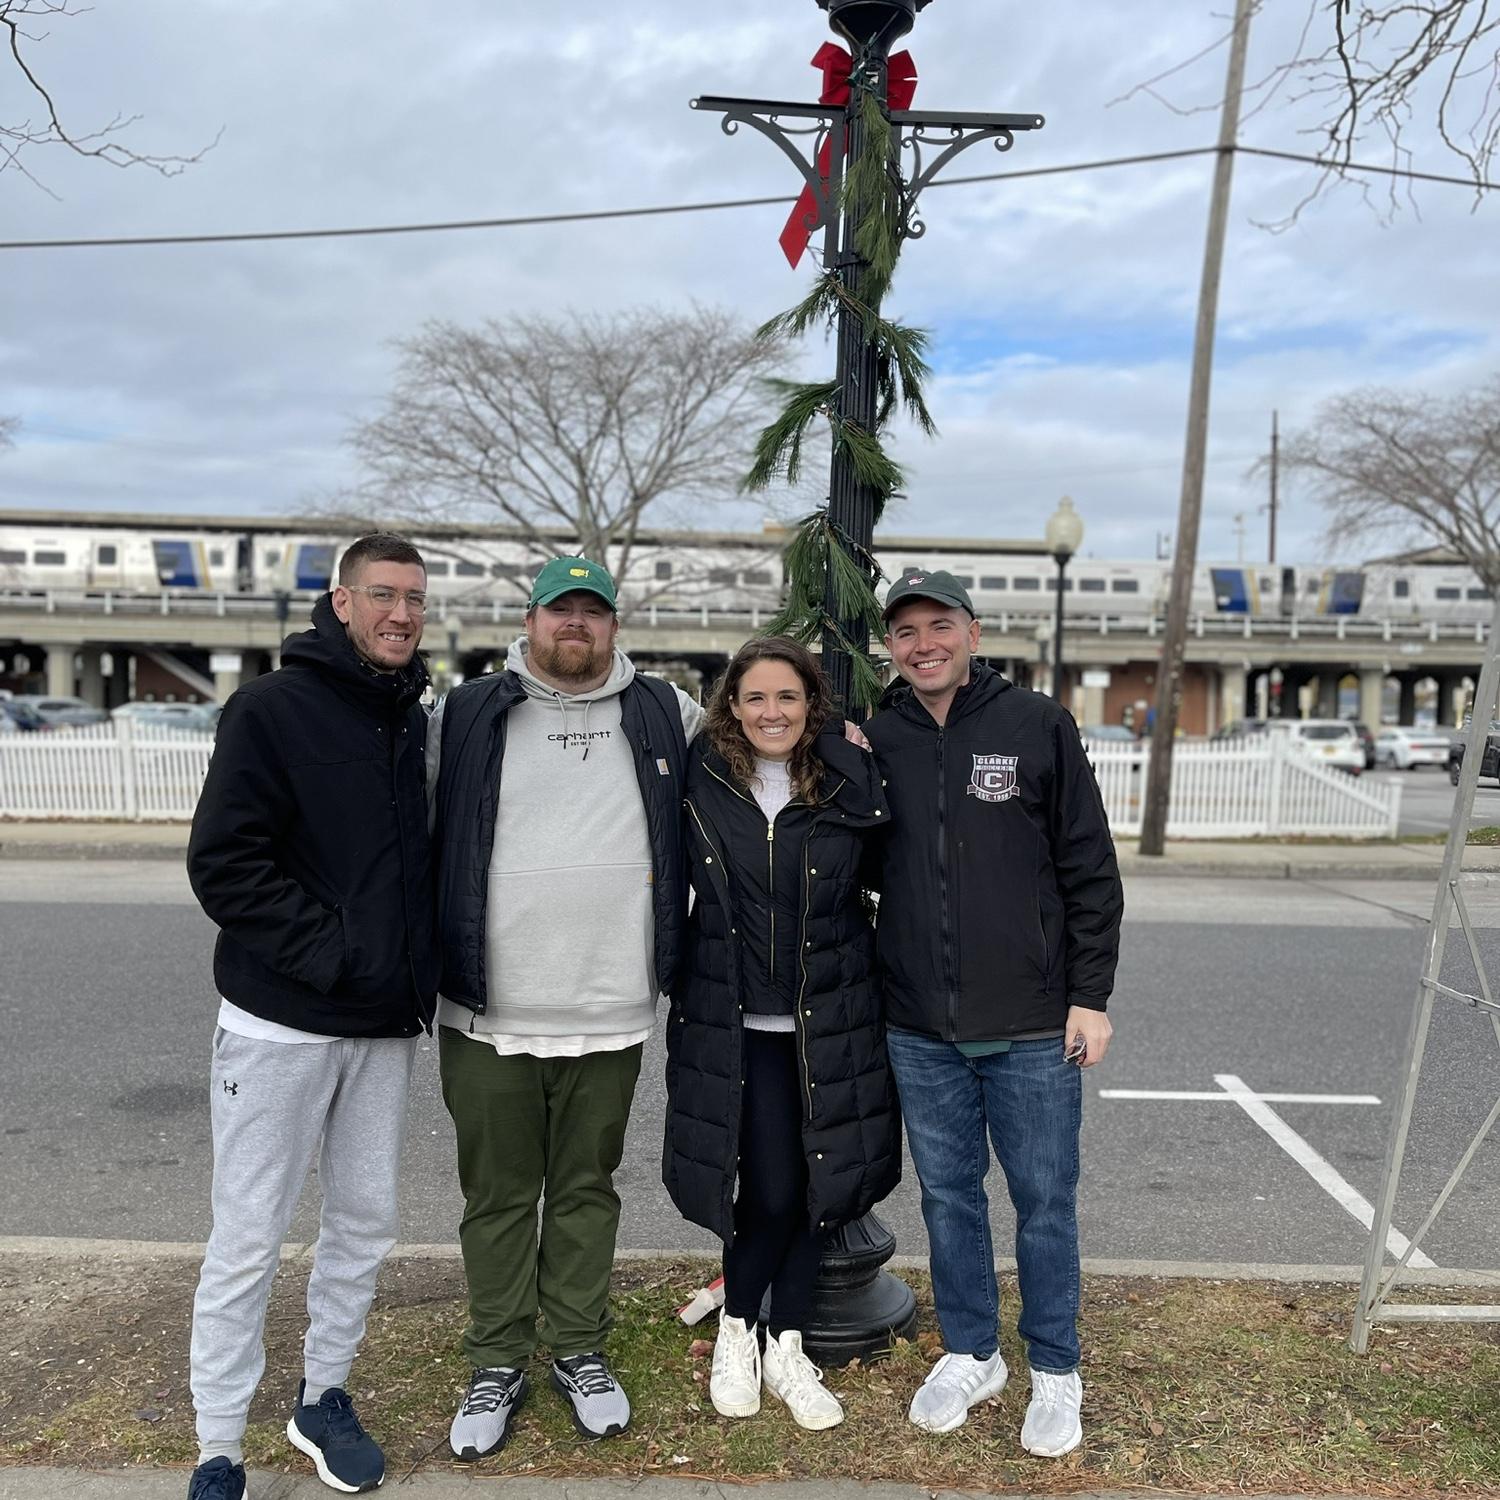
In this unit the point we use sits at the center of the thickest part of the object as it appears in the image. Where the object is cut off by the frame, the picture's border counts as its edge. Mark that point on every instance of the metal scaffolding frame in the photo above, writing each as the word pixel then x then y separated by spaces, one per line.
pixel 1373 1306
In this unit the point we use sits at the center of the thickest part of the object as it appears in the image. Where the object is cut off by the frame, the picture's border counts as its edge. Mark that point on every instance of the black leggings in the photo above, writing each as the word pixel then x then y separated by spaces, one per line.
pixel 773 1245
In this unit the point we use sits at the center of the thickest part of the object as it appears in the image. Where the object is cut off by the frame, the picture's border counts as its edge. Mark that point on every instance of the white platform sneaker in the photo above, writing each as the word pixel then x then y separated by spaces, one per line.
pixel 1052 1426
pixel 954 1384
pixel 734 1385
pixel 792 1377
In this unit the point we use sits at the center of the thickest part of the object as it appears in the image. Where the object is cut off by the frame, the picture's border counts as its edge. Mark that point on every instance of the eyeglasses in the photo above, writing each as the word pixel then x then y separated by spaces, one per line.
pixel 385 598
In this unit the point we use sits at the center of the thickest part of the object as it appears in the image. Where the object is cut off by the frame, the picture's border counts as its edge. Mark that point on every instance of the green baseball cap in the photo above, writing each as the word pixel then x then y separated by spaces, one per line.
pixel 939 586
pixel 563 575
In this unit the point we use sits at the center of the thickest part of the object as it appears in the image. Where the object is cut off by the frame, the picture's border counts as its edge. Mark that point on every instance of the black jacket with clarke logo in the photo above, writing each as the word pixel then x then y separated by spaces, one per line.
pixel 309 845
pixel 1000 893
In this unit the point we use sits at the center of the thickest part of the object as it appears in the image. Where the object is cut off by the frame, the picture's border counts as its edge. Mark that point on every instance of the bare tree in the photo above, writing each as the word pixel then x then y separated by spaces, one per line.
pixel 591 428
pixel 1368 77
pixel 1414 467
pixel 18 138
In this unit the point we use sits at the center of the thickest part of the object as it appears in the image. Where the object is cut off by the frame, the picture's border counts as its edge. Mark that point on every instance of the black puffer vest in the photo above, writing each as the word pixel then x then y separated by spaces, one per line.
pixel 749 891
pixel 468 791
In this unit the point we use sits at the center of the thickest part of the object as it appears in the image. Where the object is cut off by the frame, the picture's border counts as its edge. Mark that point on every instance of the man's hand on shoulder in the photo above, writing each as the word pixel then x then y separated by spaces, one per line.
pixel 1094 1028
pixel 855 735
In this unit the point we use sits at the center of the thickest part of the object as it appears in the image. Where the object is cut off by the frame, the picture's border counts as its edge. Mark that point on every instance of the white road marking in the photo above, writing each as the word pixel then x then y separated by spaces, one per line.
pixel 1215 1096
pixel 1316 1167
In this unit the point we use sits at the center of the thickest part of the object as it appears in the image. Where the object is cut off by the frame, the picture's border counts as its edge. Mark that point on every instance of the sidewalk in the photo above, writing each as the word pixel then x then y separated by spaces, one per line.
pixel 171 1484
pixel 1223 860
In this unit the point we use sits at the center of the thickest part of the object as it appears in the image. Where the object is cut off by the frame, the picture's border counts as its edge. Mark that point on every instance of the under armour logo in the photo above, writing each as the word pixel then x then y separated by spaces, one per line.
pixel 231 1088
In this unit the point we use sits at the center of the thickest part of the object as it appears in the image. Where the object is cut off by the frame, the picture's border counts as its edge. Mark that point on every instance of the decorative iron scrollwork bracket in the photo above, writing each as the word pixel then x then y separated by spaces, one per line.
pixel 922 130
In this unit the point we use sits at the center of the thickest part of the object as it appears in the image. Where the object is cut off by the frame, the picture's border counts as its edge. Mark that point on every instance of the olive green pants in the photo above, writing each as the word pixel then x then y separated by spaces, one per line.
pixel 537 1130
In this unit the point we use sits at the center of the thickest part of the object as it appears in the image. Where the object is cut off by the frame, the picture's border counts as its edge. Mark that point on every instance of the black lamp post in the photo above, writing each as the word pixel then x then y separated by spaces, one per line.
pixel 1064 534
pixel 858 1308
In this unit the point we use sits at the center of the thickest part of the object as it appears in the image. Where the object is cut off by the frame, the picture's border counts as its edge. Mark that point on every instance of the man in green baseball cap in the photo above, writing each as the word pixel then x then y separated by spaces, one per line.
pixel 916 583
pixel 564 575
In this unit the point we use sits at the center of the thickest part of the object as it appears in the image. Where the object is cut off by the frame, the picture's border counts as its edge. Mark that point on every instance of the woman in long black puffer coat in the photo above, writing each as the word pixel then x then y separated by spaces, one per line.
pixel 777 1076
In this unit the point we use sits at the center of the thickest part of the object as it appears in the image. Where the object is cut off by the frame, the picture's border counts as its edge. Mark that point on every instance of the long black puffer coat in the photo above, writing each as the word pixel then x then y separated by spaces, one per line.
pixel 765 906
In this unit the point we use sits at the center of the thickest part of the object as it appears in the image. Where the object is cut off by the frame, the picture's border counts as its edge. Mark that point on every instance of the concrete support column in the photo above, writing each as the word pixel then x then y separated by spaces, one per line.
pixel 91 676
pixel 1095 682
pixel 1328 694
pixel 227 667
pixel 60 671
pixel 1371 692
pixel 1232 699
pixel 1447 716
pixel 1406 713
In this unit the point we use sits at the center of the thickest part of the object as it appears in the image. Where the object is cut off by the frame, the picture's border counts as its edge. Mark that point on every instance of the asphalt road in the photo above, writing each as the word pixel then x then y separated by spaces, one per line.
pixel 1427 799
pixel 1290 987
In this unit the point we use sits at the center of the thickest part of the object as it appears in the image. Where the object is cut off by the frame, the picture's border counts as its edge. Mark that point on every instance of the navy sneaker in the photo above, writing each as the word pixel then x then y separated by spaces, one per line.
pixel 218 1479
pixel 347 1457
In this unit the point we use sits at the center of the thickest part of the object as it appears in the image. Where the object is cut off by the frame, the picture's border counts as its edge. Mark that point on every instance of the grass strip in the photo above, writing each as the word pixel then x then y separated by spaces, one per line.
pixel 1190 1386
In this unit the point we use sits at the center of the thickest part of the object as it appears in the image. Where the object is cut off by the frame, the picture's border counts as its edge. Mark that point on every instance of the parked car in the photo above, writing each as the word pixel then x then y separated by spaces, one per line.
pixel 18 718
pixel 1238 729
pixel 1404 747
pixel 175 715
pixel 1122 733
pixel 1367 743
pixel 57 711
pixel 1489 766
pixel 1334 742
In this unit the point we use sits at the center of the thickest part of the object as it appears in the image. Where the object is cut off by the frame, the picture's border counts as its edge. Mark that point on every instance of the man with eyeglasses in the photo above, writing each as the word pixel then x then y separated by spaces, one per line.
pixel 310 851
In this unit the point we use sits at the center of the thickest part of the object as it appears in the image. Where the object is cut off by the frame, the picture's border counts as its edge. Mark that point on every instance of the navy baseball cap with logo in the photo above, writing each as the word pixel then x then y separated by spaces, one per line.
pixel 563 575
pixel 940 587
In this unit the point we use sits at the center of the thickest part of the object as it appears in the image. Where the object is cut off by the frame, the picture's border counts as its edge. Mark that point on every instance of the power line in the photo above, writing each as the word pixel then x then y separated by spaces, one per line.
pixel 583 216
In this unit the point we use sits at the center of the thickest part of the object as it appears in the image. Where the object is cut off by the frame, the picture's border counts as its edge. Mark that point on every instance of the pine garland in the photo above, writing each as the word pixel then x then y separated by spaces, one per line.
pixel 820 553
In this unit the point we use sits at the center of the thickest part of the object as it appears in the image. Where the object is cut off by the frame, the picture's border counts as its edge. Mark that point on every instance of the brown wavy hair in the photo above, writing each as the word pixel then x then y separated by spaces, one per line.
pixel 728 738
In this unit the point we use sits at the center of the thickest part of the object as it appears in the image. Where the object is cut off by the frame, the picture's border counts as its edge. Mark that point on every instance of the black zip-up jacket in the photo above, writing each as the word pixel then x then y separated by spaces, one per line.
pixel 793 900
pixel 1000 895
pixel 468 795
pixel 309 844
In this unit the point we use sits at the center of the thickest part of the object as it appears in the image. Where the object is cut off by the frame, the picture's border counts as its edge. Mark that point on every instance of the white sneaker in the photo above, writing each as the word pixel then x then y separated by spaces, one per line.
pixel 952 1386
pixel 734 1385
pixel 790 1375
pixel 1052 1426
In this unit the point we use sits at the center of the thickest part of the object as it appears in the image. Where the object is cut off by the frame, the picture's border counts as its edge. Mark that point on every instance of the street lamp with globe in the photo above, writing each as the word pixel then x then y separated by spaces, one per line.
pixel 1064 536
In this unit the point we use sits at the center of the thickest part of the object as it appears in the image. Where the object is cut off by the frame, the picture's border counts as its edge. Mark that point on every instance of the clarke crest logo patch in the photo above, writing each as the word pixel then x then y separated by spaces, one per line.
pixel 994 778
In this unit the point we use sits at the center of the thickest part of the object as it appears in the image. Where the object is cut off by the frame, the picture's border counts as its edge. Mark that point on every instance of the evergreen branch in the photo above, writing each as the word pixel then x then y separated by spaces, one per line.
pixel 872 465
pixel 819 306
pixel 778 450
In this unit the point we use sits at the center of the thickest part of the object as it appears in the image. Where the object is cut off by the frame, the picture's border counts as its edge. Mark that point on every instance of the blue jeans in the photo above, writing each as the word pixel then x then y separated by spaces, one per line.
pixel 1031 1103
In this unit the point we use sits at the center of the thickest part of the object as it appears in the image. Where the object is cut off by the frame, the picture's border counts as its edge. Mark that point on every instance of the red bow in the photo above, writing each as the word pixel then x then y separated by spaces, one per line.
pixel 835 65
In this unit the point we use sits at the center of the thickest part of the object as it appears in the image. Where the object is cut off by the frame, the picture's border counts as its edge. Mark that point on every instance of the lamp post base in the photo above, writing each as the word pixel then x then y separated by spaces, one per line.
pixel 859 1310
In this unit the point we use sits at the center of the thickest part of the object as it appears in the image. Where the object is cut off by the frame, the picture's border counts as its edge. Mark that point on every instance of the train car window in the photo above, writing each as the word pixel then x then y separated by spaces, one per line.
pixel 1312 585
pixel 314 565
pixel 1124 585
pixel 997 585
pixel 469 570
pixel 512 571
pixel 1444 593
pixel 215 557
pixel 48 559
pixel 758 575
pixel 269 559
pixel 964 580
pixel 1034 584
pixel 721 575
pixel 1091 585
pixel 12 556
pixel 437 567
pixel 1401 589
pixel 664 570
pixel 1067 585
pixel 107 555
pixel 1478 594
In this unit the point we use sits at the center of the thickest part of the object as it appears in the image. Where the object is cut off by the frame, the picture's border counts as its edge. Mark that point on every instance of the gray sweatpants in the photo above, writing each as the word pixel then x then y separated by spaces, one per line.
pixel 273 1104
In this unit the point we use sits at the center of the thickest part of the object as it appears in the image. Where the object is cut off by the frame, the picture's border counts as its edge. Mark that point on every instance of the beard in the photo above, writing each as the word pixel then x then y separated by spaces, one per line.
pixel 572 659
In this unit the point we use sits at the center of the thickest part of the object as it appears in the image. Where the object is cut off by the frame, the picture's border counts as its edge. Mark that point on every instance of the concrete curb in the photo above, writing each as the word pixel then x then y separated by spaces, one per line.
pixel 156 1484
pixel 61 1248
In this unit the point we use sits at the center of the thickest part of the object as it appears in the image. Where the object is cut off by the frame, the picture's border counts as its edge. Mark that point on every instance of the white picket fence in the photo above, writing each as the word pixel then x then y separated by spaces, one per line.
pixel 1231 789
pixel 119 770
pixel 1269 785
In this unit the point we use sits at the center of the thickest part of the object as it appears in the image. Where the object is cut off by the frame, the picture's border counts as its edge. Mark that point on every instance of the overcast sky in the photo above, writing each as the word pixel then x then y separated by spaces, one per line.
pixel 226 379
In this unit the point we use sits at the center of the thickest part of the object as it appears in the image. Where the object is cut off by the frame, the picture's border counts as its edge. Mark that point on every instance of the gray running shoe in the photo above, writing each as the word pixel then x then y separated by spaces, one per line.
pixel 483 1423
pixel 600 1408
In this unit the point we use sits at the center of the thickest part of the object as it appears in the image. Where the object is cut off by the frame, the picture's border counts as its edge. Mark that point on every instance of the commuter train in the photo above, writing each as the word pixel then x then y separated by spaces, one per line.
pixel 145 554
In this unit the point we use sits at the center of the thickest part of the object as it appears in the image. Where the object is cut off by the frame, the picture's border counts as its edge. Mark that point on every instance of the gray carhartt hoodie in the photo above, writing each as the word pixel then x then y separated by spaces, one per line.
pixel 569 931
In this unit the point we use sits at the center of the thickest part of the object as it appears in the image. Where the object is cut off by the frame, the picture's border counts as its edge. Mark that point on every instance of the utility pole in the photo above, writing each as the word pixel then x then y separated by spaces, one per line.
pixel 1190 509
pixel 1275 462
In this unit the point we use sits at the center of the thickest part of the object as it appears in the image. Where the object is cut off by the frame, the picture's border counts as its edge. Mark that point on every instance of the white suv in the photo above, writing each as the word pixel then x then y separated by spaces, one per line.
pixel 1334 742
